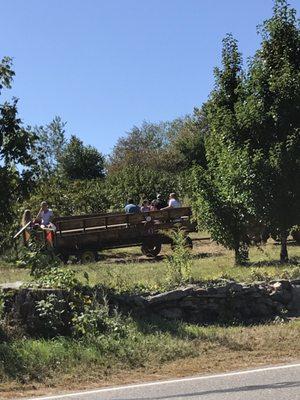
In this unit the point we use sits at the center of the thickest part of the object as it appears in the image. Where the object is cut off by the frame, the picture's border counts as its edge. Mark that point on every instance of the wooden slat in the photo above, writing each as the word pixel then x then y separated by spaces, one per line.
pixel 111 220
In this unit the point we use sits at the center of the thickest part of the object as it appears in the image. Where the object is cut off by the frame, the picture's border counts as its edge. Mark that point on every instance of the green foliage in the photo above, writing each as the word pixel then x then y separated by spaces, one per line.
pixel 138 183
pixel 187 146
pixel 179 264
pixel 78 161
pixel 55 277
pixel 51 144
pixel 6 73
pixel 252 149
pixel 271 121
pixel 221 195
pixel 95 318
pixel 16 145
pixel 37 258
pixel 51 311
pixel 70 197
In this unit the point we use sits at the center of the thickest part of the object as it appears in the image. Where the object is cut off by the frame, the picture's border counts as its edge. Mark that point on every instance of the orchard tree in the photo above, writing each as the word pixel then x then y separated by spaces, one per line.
pixel 78 161
pixel 269 117
pixel 253 175
pixel 221 193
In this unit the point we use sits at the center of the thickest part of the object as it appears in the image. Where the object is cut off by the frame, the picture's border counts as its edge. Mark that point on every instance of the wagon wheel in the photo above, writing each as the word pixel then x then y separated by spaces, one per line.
pixel 88 257
pixel 151 249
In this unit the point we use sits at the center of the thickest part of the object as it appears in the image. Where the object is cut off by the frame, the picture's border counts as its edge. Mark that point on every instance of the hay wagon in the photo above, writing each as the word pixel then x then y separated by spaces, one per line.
pixel 85 235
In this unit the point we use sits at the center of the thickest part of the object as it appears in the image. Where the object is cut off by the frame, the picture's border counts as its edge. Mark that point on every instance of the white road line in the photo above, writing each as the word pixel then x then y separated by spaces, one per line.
pixel 194 378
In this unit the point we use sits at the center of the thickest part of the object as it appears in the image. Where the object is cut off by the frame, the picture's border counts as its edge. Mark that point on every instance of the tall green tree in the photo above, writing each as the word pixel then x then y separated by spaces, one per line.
pixel 253 148
pixel 187 144
pixel 78 161
pixel 269 117
pixel 16 145
pixel 221 193
pixel 51 144
pixel 164 146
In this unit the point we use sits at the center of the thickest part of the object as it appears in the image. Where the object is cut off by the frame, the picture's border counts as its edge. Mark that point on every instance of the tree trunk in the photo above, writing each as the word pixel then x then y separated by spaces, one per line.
pixel 241 253
pixel 284 258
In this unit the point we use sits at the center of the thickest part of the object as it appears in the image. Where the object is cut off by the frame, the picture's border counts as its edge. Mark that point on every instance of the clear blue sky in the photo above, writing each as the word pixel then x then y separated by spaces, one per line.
pixel 104 66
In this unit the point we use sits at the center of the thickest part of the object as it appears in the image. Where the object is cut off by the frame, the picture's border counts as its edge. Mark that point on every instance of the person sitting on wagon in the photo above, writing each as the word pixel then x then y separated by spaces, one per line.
pixel 27 222
pixel 153 205
pixel 145 206
pixel 131 208
pixel 173 202
pixel 45 216
pixel 160 203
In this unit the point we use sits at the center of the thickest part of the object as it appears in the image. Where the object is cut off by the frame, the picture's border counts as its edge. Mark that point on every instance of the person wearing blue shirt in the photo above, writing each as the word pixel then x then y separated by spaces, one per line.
pixel 131 208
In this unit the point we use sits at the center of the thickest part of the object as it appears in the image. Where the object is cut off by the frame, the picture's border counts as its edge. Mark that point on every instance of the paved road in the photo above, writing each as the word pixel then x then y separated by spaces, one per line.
pixel 271 383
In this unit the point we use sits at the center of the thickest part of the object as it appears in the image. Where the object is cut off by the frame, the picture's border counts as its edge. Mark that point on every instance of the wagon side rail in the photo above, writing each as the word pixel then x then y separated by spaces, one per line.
pixel 77 224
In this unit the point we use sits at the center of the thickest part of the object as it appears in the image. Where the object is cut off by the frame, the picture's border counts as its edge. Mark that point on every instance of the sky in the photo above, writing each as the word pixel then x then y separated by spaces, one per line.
pixel 107 65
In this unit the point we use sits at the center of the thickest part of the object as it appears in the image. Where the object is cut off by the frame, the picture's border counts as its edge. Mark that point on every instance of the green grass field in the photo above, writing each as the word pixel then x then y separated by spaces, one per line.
pixel 126 269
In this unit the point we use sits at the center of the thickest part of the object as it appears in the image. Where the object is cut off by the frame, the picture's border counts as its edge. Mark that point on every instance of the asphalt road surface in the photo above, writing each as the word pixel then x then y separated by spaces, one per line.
pixel 270 383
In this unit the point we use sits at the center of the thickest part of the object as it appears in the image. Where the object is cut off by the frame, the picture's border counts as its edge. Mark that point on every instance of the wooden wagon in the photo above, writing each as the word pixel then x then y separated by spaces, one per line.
pixel 85 235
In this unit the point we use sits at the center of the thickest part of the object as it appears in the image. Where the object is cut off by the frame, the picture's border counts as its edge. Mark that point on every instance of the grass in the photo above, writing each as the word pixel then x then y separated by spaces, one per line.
pixel 149 349
pixel 126 269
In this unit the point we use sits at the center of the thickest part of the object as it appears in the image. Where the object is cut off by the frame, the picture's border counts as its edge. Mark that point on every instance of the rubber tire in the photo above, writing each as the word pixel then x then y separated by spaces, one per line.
pixel 151 249
pixel 88 257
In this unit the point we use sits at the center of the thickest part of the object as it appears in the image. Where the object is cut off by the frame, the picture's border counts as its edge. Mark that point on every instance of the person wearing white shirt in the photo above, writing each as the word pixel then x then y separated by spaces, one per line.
pixel 173 202
pixel 45 214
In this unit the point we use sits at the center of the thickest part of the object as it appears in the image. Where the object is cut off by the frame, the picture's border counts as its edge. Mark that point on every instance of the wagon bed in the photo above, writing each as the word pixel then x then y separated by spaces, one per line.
pixel 85 235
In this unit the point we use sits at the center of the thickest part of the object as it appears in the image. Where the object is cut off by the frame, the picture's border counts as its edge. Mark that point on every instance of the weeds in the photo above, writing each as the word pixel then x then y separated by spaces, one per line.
pixel 179 264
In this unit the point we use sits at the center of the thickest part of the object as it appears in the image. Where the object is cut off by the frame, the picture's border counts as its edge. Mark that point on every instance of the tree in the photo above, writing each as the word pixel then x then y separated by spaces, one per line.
pixel 16 145
pixel 270 121
pixel 139 183
pixel 221 194
pixel 78 161
pixel 253 175
pixel 149 146
pixel 67 197
pixel 51 143
pixel 187 146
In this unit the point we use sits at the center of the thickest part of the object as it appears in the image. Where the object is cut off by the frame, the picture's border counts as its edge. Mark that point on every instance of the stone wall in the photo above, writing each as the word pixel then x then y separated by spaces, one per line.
pixel 222 302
